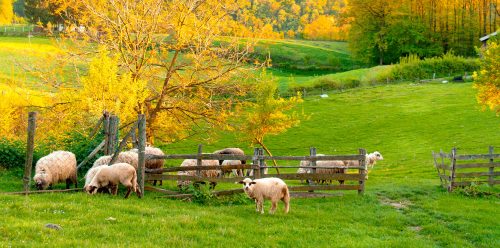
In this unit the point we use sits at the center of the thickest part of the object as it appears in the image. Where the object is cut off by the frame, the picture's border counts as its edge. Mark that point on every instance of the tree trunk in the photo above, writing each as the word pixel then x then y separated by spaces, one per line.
pixel 269 153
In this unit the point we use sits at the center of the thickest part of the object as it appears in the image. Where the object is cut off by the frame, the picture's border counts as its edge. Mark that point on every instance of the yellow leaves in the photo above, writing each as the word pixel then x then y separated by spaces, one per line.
pixel 103 89
pixel 325 28
pixel 268 114
pixel 487 80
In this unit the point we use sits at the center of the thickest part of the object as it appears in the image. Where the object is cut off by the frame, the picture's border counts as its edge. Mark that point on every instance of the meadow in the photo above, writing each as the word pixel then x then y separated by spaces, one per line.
pixel 403 206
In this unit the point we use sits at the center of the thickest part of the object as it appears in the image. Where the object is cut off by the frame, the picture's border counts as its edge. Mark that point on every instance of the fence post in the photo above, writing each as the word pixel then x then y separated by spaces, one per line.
pixel 491 169
pixel 255 163
pixel 30 146
pixel 262 163
pixel 142 146
pixel 105 122
pixel 453 163
pixel 199 160
pixel 113 133
pixel 312 154
pixel 362 172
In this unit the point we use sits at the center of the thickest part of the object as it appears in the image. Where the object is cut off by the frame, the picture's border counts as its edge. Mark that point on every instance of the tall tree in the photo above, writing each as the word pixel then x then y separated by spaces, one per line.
pixel 193 74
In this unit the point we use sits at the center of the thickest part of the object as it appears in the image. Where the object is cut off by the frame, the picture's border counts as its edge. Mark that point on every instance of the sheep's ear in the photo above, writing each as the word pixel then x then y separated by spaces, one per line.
pixel 253 182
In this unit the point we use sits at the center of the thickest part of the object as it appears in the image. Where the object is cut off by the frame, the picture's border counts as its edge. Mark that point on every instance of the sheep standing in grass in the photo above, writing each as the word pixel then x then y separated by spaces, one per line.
pixel 58 166
pixel 270 188
pixel 323 163
pixel 236 172
pixel 111 176
pixel 204 173
pixel 230 151
pixel 153 163
pixel 91 174
pixel 371 160
pixel 131 158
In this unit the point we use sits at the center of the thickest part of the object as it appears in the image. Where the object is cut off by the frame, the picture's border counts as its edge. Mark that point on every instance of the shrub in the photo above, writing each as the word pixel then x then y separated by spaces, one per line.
pixel 13 154
pixel 411 67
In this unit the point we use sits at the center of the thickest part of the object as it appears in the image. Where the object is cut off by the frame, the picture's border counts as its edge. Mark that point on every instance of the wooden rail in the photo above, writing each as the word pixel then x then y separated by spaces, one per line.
pixel 450 168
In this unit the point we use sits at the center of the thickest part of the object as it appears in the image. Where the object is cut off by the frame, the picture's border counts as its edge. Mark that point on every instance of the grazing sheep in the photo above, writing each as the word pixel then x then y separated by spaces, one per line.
pixel 371 160
pixel 232 151
pixel 153 163
pixel 270 188
pixel 131 158
pixel 204 173
pixel 56 167
pixel 324 163
pixel 236 172
pixel 91 174
pixel 111 176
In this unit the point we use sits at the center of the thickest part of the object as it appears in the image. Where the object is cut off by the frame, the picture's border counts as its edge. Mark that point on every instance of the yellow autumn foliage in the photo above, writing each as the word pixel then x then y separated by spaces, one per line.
pixel 487 79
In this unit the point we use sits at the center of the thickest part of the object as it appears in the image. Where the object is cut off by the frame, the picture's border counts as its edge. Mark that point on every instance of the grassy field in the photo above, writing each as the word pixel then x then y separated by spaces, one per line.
pixel 306 57
pixel 404 206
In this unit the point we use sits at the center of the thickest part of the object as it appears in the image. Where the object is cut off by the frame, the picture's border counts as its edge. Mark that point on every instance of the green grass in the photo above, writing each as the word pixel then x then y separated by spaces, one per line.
pixel 306 57
pixel 405 122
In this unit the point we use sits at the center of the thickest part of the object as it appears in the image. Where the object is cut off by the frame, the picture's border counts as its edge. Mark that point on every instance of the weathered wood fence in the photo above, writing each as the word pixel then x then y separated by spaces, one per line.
pixel 455 170
pixel 258 166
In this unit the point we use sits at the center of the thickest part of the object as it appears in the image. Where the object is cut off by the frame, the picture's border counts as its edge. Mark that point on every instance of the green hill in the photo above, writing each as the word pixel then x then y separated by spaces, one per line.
pixel 404 206
pixel 306 57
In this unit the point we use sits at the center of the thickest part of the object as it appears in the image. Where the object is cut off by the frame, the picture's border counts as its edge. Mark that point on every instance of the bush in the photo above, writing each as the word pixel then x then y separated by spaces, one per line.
pixel 12 154
pixel 411 67
pixel 81 145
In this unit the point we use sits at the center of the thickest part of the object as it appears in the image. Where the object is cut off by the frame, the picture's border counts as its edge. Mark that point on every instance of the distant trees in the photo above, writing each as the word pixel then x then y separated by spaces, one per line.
pixel 6 11
pixel 382 31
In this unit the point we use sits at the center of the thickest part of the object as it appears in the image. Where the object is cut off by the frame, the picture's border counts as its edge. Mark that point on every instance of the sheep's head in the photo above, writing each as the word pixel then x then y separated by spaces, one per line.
pixel 91 189
pixel 377 156
pixel 42 180
pixel 247 183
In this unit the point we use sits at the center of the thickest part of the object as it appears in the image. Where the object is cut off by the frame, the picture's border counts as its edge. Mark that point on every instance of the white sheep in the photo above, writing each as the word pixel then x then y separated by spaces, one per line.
pixel 111 176
pixel 56 167
pixel 204 173
pixel 131 158
pixel 231 151
pixel 271 188
pixel 153 163
pixel 91 174
pixel 371 159
pixel 236 172
pixel 323 163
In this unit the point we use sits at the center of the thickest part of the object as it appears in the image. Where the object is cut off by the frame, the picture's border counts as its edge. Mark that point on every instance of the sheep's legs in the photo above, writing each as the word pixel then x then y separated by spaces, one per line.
pixel 273 207
pixel 68 183
pixel 129 188
pixel 114 189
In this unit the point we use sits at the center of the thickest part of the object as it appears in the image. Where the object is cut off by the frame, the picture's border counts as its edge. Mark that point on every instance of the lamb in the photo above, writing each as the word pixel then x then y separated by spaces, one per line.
pixel 270 188
pixel 110 176
pixel 236 172
pixel 131 158
pixel 56 167
pixel 91 174
pixel 153 163
pixel 232 151
pixel 204 173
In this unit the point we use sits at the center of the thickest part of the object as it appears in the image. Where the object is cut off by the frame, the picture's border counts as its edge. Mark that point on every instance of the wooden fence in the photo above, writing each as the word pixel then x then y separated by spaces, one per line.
pixel 456 170
pixel 258 166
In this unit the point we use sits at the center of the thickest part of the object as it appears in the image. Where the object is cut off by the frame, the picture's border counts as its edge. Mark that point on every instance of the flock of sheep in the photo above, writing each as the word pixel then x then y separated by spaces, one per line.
pixel 60 166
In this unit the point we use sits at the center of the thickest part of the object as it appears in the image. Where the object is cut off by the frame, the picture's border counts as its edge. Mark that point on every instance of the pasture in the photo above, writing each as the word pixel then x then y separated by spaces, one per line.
pixel 404 205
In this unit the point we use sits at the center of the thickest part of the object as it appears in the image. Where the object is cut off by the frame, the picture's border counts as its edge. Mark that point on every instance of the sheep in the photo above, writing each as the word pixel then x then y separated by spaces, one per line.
pixel 371 159
pixel 323 163
pixel 270 188
pixel 204 173
pixel 91 174
pixel 153 163
pixel 233 151
pixel 236 172
pixel 56 167
pixel 131 158
pixel 110 176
